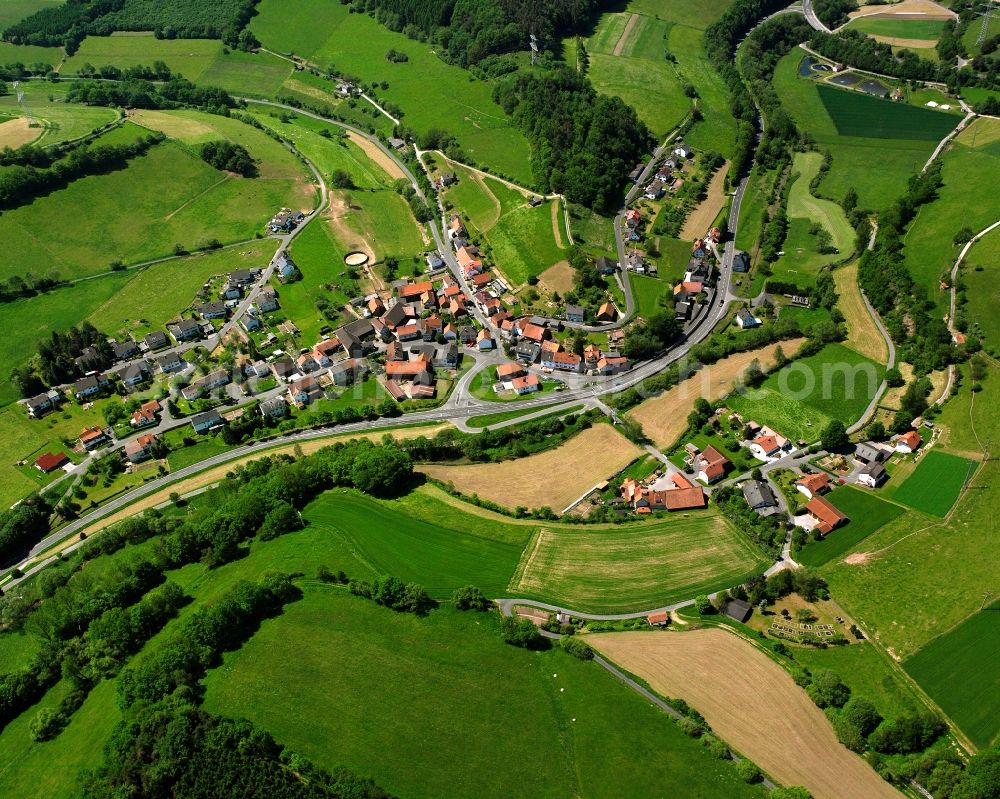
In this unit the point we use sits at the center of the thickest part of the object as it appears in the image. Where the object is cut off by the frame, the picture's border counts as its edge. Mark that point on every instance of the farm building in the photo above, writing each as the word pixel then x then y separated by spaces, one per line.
pixel 737 609
pixel 826 516
pixel 50 461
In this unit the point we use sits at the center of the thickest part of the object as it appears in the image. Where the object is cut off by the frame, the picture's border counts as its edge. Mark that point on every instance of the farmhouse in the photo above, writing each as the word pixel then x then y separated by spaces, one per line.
pixel 759 497
pixel 827 517
pixel 92 438
pixel 737 609
pixel 813 485
pixel 873 475
pixel 659 619
pixel 908 442
pixel 204 422
pixel 866 452
pixel 49 462
pixel 141 448
pixel 681 495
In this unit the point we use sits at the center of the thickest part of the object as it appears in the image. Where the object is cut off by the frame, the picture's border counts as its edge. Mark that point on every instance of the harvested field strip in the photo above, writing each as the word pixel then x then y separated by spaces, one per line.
pixel 700 220
pixel 664 418
pixel 15 132
pixel 863 335
pixel 625 34
pixel 634 568
pixel 553 479
pixel 390 167
pixel 753 705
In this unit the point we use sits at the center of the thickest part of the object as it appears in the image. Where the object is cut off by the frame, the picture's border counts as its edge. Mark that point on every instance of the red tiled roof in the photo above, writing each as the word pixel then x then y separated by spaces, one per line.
pixel 405 368
pixel 681 481
pixel 814 482
pixel 658 618
pixel 911 439
pixel 509 370
pixel 524 382
pixel 534 332
pixel 824 512
pixel 50 461
pixel 683 498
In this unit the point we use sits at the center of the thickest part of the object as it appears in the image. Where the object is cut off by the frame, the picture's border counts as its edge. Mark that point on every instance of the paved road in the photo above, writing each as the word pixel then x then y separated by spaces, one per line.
pixel 811 18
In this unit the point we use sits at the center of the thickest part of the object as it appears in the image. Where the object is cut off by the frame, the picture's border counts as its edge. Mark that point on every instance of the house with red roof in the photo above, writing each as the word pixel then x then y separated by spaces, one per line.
pixel 812 485
pixel 51 461
pixel 711 465
pixel 527 384
pixel 909 442
pixel 826 516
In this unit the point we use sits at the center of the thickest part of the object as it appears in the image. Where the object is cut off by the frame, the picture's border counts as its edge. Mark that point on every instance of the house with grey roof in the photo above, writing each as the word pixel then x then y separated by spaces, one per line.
pixel 759 496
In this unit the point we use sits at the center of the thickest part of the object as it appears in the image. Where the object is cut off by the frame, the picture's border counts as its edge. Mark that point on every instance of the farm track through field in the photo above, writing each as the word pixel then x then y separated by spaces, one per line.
pixel 623 39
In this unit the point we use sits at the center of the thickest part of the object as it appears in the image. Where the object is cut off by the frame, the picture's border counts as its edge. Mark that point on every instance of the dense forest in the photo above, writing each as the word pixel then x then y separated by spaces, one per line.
pixel 470 30
pixel 67 25
pixel 583 143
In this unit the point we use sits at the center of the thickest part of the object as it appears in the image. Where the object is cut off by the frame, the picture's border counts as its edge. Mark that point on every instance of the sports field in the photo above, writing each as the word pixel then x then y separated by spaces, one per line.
pixel 863 335
pixel 961 672
pixel 553 479
pixel 752 703
pixel 402 697
pixel 866 514
pixel 664 417
pixel 936 483
pixel 799 400
pixel 637 568
pixel 432 94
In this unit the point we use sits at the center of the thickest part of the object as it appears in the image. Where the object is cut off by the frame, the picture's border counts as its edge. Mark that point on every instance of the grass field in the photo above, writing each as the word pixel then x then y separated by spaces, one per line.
pixel 432 94
pixel 802 204
pixel 863 335
pixel 980 276
pixel 852 155
pixel 553 478
pixel 251 74
pixel 799 400
pixel 936 483
pixel 969 169
pixel 866 512
pixel 192 204
pixel 402 695
pixel 899 28
pixel 30 54
pixel 188 57
pixel 947 564
pixel 961 672
pixel 61 121
pixel 638 568
pixel 12 11
pixel 858 114
pixel 489 419
pixel 752 704
pixel 664 417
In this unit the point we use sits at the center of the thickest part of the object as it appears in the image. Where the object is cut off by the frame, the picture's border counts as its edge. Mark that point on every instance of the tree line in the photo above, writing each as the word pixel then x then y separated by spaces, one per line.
pixel 137 93
pixel 57 358
pixel 67 25
pixel 583 143
pixel 20 185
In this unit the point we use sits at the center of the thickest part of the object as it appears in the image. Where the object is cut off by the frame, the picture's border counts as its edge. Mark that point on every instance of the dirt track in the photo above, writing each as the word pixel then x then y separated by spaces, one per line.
pixel 751 703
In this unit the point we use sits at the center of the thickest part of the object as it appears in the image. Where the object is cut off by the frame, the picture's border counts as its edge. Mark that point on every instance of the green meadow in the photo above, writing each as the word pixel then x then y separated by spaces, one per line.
pixel 900 28
pixel 936 483
pixel 980 277
pixel 960 671
pixel 431 93
pixel 866 514
pixel 12 11
pixel 61 121
pixel 188 57
pixel 858 114
pixel 800 399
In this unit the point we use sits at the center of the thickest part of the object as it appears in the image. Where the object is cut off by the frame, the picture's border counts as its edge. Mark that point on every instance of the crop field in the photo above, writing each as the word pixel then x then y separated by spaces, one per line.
pixel 969 170
pixel 636 568
pixel 553 478
pixel 627 61
pixel 753 705
pixel 858 114
pixel 188 57
pixel 961 672
pixel 664 417
pixel 799 400
pixel 16 132
pixel 920 556
pixel 936 483
pixel 899 28
pixel 863 335
pixel 372 538
pixel 385 674
pixel 866 514
pixel 433 94
pixel 852 155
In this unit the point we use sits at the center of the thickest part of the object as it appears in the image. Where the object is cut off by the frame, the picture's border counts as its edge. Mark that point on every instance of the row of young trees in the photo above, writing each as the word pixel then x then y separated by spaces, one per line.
pixel 21 184
pixel 583 143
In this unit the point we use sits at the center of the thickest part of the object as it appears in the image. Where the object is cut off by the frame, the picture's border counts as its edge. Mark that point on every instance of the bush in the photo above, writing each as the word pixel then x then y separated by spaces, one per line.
pixel 520 632
pixel 748 772
pixel 691 727
pixel 470 598
pixel 577 648
pixel 827 689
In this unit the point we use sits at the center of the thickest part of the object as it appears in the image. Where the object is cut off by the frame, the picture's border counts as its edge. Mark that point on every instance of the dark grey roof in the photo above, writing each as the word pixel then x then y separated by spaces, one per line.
pixel 757 493
pixel 208 417
pixel 866 451
pixel 875 470
pixel 359 328
pixel 156 339
pixel 737 609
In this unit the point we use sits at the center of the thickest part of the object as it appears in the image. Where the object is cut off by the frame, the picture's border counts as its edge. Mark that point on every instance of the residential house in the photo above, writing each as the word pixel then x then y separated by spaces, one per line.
pixel 431 327
pixel 169 362
pixel 741 261
pixel 204 422
pixel 135 374
pixel 125 350
pixel 826 516
pixel 632 218
pixel 527 351
pixel 683 310
pixel 456 228
pixel 450 332
pixel 866 452
pixel 873 475
pixel 508 371
pixel 484 341
pixel 286 269
pixel 347 372
pixel 92 438
pixel 655 190
pixel 606 266
pixel 612 364
pixel 591 355
pixel 89 359
pixel 214 379
pixel 527 384
pixel 711 465
pixel 745 319
pixel 575 313
pixel 812 485
pixel 607 313
pixel 243 277
pixel 90 385
pixel 908 442
pixel 683 151
pixel 397 143
pixel 563 361
pixel 213 310
pixel 140 448
pixel 251 323
pixel 51 461
pixel 759 496
pixel 413 291
pixel 267 300
pixel 185 330
pixel 156 340
pixel 39 405
pixel 274 408
pixel 635 263
pixel 447 179
pixel 435 261
pixel 284 369
pixel 530 331
pixel 304 391
pixel 681 496
pixel 769 445
pixel 146 415
pixel 306 363
pixel 231 292
pixel 352 338
pixel 467 335
pixel 408 332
